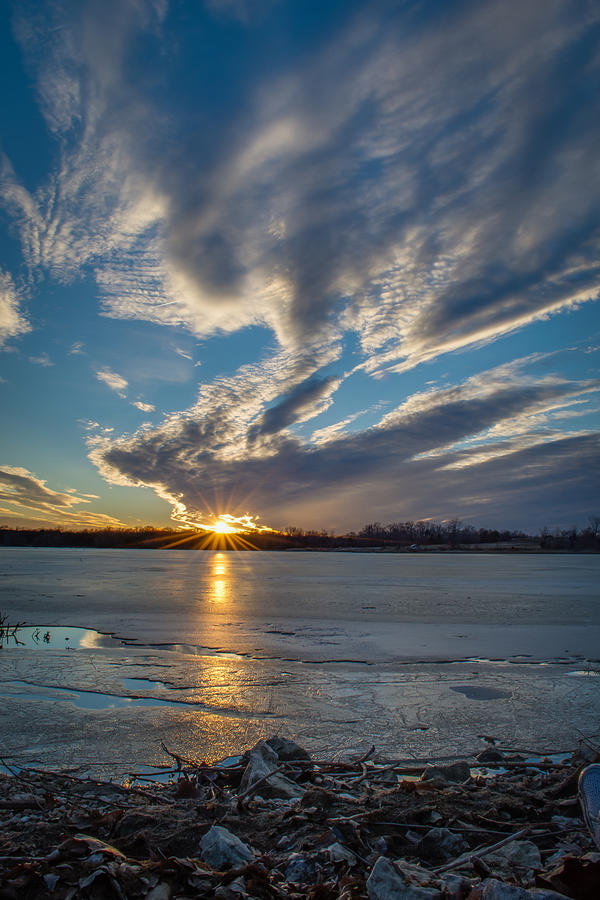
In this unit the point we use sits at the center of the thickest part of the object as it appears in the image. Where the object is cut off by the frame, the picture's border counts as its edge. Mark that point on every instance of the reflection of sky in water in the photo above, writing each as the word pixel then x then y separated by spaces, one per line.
pixel 52 637
pixel 135 684
pixel 82 699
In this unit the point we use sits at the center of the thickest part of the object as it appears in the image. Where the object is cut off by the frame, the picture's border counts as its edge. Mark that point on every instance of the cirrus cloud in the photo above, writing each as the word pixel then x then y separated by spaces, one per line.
pixel 113 380
pixel 12 319
pixel 428 183
pixel 29 498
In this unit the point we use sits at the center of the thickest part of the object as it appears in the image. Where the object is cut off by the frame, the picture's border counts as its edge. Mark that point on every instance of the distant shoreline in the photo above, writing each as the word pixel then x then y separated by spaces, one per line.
pixel 399 537
pixel 259 544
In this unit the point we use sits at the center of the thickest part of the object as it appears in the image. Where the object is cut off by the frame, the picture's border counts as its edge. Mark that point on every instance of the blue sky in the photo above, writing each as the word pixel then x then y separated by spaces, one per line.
pixel 320 263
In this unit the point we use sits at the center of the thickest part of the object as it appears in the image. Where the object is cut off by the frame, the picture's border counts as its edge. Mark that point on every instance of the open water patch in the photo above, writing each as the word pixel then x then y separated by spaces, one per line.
pixel 59 637
pixel 97 700
pixel 477 692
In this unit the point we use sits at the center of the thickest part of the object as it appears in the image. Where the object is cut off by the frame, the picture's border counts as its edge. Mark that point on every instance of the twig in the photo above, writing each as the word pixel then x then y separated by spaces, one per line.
pixel 512 764
pixel 107 784
pixel 179 759
pixel 530 752
pixel 160 771
pixel 23 859
pixel 196 764
pixel 585 740
pixel 24 780
pixel 366 756
pixel 466 857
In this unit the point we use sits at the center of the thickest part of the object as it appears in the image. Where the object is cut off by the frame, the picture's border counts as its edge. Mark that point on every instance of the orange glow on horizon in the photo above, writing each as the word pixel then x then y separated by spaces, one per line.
pixel 225 523
pixel 220 526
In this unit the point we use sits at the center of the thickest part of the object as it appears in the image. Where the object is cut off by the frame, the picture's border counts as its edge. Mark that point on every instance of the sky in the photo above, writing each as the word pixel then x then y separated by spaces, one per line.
pixel 316 263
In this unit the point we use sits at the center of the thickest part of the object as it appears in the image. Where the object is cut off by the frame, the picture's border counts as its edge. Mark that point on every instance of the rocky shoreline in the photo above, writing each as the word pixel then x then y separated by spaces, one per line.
pixel 275 823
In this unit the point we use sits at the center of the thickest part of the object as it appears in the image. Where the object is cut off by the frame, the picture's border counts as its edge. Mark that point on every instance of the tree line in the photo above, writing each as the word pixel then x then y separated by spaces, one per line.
pixel 452 534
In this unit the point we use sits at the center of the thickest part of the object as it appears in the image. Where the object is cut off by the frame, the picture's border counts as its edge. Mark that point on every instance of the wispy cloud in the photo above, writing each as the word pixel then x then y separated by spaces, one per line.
pixel 113 380
pixel 42 360
pixel 12 319
pixel 29 497
pixel 144 407
pixel 331 432
pixel 469 211
pixel 77 349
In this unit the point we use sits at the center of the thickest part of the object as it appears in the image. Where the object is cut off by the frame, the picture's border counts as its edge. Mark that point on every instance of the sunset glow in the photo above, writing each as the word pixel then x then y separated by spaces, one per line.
pixel 229 524
pixel 328 292
pixel 223 527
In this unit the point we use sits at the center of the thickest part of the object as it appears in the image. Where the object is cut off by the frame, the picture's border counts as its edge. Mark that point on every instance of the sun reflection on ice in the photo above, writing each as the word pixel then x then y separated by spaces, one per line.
pixel 219 579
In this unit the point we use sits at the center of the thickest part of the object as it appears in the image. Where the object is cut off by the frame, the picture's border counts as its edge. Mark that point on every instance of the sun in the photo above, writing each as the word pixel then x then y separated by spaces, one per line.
pixel 221 526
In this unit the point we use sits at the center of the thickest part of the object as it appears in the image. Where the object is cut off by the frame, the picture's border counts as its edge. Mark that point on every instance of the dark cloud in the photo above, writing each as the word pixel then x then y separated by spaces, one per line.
pixel 385 465
pixel 304 401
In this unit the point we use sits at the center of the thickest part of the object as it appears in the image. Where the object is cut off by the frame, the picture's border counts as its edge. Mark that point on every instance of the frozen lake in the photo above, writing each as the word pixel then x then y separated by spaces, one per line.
pixel 417 653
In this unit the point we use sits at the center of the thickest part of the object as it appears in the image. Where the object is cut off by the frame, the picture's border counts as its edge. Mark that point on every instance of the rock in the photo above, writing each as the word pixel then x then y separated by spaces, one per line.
pixel 574 876
pixel 286 749
pixel 561 852
pixel 489 756
pixel 338 853
pixel 162 891
pixel 232 891
pixel 567 822
pixel 386 882
pixel 455 772
pixel 542 894
pixel 223 850
pixel 439 845
pixel 417 875
pixel 492 889
pixel 520 856
pixel 456 886
pixel 301 869
pixel 319 798
pixel 262 760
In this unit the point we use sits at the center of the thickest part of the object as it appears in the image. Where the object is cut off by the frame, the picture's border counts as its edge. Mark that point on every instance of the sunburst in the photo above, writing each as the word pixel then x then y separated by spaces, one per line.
pixel 222 526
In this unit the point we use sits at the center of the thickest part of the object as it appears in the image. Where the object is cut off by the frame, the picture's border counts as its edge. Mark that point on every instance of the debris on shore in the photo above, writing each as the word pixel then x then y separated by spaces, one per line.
pixel 275 823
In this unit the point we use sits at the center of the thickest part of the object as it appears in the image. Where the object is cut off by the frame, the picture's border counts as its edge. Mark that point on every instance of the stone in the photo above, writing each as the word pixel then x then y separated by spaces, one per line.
pixel 566 822
pixel 439 845
pixel 455 772
pixel 301 869
pixel 492 889
pixel 456 887
pixel 522 857
pixel 162 891
pixel 386 882
pixel 232 891
pixel 262 760
pixel 223 850
pixel 338 853
pixel 489 755
pixel 287 750
pixel 562 851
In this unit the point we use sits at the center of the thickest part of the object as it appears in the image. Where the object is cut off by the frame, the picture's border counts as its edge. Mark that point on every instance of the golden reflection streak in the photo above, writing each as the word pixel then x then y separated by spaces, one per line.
pixel 220 583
